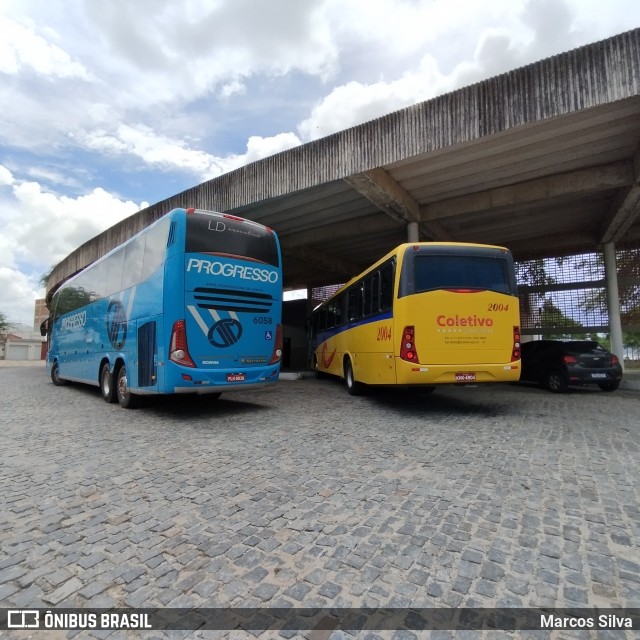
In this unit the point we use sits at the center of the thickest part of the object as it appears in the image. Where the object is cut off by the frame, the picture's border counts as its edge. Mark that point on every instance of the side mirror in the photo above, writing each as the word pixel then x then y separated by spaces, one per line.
pixel 44 327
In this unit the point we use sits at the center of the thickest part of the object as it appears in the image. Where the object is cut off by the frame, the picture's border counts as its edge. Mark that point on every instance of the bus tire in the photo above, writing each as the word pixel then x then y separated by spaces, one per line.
pixel 126 399
pixel 107 385
pixel 354 388
pixel 55 376
pixel 316 369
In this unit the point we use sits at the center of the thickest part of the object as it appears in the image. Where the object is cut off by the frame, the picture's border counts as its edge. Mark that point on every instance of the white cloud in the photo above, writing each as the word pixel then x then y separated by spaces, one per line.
pixel 529 31
pixel 6 177
pixel 355 102
pixel 18 296
pixel 21 47
pixel 170 154
pixel 30 244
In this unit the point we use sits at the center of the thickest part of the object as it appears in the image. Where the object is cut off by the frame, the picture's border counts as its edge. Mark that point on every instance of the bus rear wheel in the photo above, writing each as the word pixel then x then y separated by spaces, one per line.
pixel 126 399
pixel 55 376
pixel 107 386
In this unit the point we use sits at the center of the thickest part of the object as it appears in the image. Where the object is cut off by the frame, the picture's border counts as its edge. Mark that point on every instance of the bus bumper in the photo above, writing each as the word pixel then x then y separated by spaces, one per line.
pixel 408 373
pixel 202 381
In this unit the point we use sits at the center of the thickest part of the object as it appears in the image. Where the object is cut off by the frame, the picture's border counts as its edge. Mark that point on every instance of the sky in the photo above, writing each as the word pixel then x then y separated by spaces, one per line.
pixel 108 107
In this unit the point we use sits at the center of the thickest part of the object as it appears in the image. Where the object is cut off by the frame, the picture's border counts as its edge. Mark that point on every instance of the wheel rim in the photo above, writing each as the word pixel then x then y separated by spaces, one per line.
pixel 349 376
pixel 122 383
pixel 554 382
pixel 106 382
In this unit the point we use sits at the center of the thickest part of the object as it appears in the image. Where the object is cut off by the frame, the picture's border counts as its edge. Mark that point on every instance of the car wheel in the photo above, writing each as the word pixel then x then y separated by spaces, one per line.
pixel 55 376
pixel 107 387
pixel 556 382
pixel 126 399
pixel 609 386
pixel 354 388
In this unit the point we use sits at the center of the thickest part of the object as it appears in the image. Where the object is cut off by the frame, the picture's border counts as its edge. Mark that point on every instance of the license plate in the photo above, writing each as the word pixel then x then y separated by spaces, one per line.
pixel 465 377
pixel 598 375
pixel 235 377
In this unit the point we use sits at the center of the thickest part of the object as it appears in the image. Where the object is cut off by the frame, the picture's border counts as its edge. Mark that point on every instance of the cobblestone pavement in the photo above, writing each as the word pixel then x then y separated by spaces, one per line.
pixel 301 495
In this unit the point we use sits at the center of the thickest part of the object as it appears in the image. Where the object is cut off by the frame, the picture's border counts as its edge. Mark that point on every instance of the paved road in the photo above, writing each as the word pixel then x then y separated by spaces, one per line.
pixel 302 495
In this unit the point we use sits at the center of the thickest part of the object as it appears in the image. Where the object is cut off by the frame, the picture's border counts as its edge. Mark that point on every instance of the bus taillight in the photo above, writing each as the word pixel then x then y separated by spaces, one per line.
pixel 515 352
pixel 277 347
pixel 178 350
pixel 408 347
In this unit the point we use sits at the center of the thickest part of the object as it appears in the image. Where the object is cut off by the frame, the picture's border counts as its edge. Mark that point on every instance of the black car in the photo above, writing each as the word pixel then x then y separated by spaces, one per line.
pixel 556 364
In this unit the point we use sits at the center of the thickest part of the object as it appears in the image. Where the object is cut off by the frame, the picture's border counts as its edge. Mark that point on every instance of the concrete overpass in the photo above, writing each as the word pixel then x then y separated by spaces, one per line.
pixel 544 159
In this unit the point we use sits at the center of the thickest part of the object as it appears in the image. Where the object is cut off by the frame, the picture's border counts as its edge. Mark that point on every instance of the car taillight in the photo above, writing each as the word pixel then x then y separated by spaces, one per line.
pixel 569 359
pixel 277 347
pixel 614 360
pixel 408 346
pixel 178 350
pixel 515 351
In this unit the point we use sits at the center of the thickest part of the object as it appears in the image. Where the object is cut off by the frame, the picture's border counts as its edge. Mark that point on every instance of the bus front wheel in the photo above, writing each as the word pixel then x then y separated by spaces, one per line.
pixel 55 376
pixel 126 399
pixel 354 388
pixel 107 387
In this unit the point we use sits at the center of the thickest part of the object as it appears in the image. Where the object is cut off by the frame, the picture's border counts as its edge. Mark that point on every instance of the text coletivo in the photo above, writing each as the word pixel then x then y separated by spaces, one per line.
pixel 463 321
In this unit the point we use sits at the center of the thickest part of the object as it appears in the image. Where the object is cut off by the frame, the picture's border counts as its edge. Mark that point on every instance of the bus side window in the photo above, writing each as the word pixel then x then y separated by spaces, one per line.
pixel 154 248
pixel 340 309
pixel 386 287
pixel 355 302
pixel 114 273
pixel 372 294
pixel 132 266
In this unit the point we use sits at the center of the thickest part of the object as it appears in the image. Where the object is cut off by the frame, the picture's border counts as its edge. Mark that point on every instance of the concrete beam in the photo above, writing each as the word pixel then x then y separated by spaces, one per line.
pixel 326 233
pixel 584 181
pixel 540 246
pixel 324 261
pixel 435 231
pixel 382 190
pixel 625 211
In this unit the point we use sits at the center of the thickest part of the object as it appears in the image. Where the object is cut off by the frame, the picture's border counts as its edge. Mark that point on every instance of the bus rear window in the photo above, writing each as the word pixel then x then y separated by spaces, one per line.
pixel 218 235
pixel 431 272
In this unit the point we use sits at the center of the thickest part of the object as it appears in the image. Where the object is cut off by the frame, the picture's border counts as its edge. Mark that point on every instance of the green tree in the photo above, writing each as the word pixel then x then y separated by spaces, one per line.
pixel 44 278
pixel 628 266
pixel 5 325
pixel 552 316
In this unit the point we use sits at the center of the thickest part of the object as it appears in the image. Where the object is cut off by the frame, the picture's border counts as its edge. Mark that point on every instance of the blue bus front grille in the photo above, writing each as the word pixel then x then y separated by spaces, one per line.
pixel 147 375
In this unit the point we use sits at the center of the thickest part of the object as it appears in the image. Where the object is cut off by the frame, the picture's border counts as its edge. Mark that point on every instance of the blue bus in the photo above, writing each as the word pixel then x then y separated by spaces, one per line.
pixel 191 304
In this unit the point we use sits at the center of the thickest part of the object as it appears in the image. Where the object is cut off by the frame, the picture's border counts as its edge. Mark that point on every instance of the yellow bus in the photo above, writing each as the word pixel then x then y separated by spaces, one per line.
pixel 426 314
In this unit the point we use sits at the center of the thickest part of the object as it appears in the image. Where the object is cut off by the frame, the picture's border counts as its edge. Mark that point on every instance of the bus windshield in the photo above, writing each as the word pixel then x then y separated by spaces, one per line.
pixel 225 236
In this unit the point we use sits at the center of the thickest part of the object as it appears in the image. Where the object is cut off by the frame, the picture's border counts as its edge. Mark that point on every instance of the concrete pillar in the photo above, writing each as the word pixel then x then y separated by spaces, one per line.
pixel 413 233
pixel 613 300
